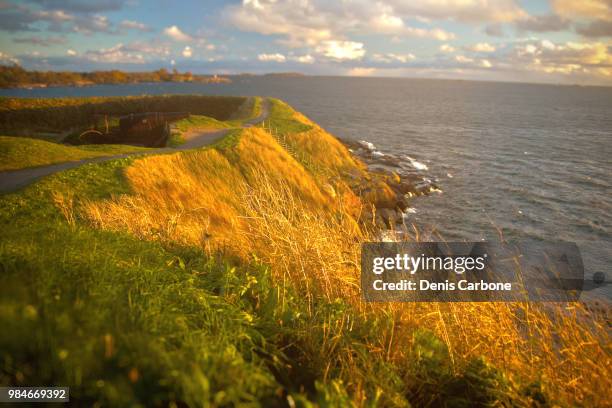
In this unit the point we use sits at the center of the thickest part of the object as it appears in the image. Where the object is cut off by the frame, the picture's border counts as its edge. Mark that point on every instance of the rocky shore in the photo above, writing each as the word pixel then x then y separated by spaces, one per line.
pixel 393 181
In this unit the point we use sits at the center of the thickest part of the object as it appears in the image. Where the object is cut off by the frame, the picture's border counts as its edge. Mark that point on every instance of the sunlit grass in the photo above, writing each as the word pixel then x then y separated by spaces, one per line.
pixel 230 275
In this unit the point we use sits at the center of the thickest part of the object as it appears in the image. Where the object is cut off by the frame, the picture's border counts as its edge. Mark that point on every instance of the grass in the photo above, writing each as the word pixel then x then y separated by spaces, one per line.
pixel 31 116
pixel 200 122
pixel 250 109
pixel 21 152
pixel 228 276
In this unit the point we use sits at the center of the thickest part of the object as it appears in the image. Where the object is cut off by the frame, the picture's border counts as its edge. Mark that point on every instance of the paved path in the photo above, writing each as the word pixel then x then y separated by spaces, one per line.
pixel 15 179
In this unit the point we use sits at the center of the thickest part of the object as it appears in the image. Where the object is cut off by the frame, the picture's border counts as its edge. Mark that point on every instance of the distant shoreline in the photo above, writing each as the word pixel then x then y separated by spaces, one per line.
pixel 219 80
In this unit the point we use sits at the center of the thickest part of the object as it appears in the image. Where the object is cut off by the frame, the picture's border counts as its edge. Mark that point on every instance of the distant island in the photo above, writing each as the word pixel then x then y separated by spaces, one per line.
pixel 15 76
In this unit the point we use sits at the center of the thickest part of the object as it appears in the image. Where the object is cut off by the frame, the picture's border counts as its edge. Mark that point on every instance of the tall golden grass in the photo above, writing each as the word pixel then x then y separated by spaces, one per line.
pixel 255 198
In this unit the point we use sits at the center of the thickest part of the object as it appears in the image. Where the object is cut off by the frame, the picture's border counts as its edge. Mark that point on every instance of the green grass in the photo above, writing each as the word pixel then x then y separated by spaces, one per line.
pixel 281 119
pixel 21 152
pixel 250 109
pixel 200 122
pixel 93 309
pixel 124 321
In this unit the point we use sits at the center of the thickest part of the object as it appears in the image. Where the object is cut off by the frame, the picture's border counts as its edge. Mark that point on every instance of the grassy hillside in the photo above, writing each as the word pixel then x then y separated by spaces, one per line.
pixel 229 275
pixel 29 116
pixel 22 152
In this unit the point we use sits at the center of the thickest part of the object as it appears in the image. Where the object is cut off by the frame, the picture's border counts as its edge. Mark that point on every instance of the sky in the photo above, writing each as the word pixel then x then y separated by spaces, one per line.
pixel 552 41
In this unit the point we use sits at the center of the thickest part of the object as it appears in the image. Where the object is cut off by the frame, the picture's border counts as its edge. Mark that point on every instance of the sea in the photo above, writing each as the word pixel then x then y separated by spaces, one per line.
pixel 512 160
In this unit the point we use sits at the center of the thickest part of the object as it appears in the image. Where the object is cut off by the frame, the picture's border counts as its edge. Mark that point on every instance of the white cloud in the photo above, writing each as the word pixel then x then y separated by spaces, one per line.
pixel 473 62
pixel 71 53
pixel 6 58
pixel 117 54
pixel 391 57
pixel 303 23
pixel 463 59
pixel 90 25
pixel 569 56
pixel 447 48
pixel 386 22
pixel 176 34
pixel 133 25
pixel 187 52
pixel 595 9
pixel 133 53
pixel 461 10
pixel 342 50
pixel 305 59
pixel 272 57
pixel 483 47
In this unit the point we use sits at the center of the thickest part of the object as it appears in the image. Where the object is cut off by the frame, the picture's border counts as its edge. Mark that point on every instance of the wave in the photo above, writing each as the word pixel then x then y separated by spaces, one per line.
pixel 417 164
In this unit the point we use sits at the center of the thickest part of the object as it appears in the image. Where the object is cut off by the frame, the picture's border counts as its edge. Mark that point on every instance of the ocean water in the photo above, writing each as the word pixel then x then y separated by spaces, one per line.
pixel 522 160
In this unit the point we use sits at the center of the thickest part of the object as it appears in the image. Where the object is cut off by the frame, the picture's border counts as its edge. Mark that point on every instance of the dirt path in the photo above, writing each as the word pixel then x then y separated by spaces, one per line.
pixel 15 179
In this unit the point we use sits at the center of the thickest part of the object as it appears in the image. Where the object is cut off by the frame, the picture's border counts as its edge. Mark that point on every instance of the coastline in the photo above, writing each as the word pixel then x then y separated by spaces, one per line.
pixel 196 269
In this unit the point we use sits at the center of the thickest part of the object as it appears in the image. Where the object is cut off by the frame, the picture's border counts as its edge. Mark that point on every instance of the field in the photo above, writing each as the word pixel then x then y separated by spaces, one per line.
pixel 229 275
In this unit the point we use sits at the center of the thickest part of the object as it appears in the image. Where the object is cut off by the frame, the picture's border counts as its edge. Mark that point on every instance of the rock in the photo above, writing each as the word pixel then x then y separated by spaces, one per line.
pixel 388 216
pixel 402 204
pixel 406 188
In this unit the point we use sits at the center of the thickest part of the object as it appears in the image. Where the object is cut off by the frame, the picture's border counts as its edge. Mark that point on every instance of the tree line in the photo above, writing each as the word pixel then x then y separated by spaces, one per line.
pixel 14 76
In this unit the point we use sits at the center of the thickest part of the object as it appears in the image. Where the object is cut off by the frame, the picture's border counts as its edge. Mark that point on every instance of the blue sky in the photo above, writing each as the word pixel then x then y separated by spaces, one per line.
pixel 558 41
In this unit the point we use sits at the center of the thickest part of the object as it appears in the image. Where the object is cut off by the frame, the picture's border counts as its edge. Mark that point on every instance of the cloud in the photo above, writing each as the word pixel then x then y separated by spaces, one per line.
pixel 293 20
pixel 6 59
pixel 133 53
pixel 117 54
pixel 93 24
pixel 301 23
pixel 542 24
pixel 342 50
pixel 187 52
pixel 176 34
pixel 391 57
pixel 304 59
pixel 71 53
pixel 473 62
pixel 21 18
pixel 386 23
pixel 134 25
pixel 461 10
pixel 593 9
pixel 494 30
pixel 482 47
pixel 272 57
pixel 447 48
pixel 597 28
pixel 463 59
pixel 81 6
pixel 563 58
pixel 41 41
